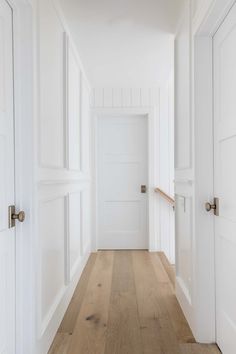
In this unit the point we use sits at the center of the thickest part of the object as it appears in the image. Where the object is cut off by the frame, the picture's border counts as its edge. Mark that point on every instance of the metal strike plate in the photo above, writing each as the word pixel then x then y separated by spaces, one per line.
pixel 143 189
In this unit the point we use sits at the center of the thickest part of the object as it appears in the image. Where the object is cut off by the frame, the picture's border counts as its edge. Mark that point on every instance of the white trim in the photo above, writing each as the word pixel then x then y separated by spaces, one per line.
pixel 24 172
pixel 61 303
pixel 202 320
pixel 70 36
pixel 152 130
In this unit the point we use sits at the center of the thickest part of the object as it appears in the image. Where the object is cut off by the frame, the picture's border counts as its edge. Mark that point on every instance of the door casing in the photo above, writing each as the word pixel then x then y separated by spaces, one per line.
pixel 149 115
pixel 203 30
pixel 24 171
pixel 123 242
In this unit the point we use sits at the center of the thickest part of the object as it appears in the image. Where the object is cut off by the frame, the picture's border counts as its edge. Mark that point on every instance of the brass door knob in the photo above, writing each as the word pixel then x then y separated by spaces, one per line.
pixel 13 216
pixel 20 216
pixel 209 206
pixel 214 206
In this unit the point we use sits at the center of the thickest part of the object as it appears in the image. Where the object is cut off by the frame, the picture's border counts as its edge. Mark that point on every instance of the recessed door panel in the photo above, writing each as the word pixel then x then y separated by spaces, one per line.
pixel 122 170
pixel 225 177
pixel 7 236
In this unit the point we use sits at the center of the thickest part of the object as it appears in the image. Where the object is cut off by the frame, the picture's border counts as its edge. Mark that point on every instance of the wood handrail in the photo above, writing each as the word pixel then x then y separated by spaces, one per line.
pixel 165 196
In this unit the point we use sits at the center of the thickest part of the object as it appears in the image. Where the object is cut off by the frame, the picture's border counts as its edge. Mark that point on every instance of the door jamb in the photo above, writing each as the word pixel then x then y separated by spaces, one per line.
pixel 204 246
pixel 150 113
pixel 23 63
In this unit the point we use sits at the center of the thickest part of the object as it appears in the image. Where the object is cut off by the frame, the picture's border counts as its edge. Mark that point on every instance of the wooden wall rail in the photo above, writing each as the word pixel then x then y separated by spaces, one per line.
pixel 165 196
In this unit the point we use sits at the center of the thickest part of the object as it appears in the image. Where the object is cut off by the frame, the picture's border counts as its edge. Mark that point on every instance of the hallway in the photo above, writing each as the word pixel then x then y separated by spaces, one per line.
pixel 125 304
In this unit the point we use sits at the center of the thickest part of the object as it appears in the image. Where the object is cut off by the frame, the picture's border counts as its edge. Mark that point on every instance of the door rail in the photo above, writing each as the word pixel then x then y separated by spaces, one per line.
pixel 165 196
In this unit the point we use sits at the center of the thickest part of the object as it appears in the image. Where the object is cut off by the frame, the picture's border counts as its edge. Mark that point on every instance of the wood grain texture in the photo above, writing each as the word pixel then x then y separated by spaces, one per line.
pixel 125 304
pixel 169 268
pixel 60 344
pixel 199 349
pixel 158 335
pixel 70 318
pixel 176 316
pixel 90 331
pixel 123 334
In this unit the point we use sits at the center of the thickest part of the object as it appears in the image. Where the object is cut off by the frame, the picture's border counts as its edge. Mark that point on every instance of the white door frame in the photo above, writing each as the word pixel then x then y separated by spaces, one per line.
pixel 24 171
pixel 152 213
pixel 205 25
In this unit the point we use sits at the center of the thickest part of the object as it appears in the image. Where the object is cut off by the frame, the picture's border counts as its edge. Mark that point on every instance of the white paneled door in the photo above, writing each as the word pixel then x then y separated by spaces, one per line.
pixel 7 236
pixel 225 181
pixel 122 171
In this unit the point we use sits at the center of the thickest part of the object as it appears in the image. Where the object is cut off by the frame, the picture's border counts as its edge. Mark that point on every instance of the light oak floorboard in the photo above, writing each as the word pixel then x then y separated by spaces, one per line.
pixel 125 304
pixel 176 316
pixel 158 334
pixel 70 318
pixel 89 336
pixel 123 333
pixel 169 268
pixel 199 349
pixel 60 344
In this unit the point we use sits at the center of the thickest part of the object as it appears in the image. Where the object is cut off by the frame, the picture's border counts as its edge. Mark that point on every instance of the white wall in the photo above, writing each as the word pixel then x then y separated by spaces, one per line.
pixel 160 101
pixel 62 138
pixel 166 169
pixel 184 165
pixel 195 286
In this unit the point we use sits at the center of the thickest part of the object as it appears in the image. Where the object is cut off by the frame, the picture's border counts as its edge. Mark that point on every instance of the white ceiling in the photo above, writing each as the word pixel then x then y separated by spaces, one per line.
pixel 124 43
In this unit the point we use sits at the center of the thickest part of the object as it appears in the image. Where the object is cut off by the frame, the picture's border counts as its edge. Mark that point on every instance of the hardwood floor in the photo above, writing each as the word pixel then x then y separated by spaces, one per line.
pixel 125 304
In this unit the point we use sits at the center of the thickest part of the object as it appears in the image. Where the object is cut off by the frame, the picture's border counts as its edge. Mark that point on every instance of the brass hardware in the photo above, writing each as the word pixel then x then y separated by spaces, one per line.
pixel 12 216
pixel 143 189
pixel 165 196
pixel 214 206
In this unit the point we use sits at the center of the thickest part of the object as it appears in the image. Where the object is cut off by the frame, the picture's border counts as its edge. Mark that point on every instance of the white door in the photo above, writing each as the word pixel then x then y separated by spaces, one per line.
pixel 7 236
pixel 225 181
pixel 122 170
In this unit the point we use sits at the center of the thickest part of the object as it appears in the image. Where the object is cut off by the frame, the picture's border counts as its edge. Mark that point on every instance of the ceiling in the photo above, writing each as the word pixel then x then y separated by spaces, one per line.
pixel 124 43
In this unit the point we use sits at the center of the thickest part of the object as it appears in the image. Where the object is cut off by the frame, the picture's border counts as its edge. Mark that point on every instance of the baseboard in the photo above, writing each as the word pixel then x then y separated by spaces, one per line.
pixel 185 303
pixel 44 342
pixel 169 268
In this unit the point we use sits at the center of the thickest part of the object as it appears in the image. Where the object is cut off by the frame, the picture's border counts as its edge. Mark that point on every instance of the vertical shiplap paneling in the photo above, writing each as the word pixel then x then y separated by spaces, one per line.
pixel 145 97
pixel 151 97
pixel 154 97
pixel 136 97
pixel 126 97
pixel 107 97
pixel 92 98
pixel 99 97
pixel 117 97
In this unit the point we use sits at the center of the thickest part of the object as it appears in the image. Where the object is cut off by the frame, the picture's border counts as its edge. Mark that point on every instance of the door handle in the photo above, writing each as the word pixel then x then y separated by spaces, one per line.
pixel 143 188
pixel 214 206
pixel 12 216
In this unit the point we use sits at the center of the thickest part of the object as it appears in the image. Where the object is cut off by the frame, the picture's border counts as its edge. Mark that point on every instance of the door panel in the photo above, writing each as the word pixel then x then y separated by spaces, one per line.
pixel 225 180
pixel 122 169
pixel 7 236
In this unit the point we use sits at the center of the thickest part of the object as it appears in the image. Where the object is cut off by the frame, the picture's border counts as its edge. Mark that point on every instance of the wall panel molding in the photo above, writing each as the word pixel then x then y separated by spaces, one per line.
pixel 53 233
pixel 74 241
pixel 183 92
pixel 51 120
pixel 63 172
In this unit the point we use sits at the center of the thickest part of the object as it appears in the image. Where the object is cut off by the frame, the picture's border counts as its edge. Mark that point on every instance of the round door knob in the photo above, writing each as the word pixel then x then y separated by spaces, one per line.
pixel 20 216
pixel 209 206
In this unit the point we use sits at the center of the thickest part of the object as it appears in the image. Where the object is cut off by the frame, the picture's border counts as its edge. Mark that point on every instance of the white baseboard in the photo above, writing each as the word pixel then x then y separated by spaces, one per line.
pixel 44 342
